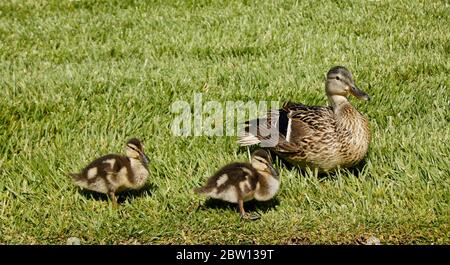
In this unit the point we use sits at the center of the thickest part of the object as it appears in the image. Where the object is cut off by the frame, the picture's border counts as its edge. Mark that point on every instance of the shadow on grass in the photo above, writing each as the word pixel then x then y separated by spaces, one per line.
pixel 355 170
pixel 147 190
pixel 250 206
pixel 358 168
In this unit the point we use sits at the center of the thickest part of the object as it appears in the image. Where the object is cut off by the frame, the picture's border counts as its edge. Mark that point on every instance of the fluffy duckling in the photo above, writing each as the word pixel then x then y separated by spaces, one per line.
pixel 239 182
pixel 113 173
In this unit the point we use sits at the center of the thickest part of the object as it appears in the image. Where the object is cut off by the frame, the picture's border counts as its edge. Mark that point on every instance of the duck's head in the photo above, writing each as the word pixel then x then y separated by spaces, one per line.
pixel 135 150
pixel 261 161
pixel 340 85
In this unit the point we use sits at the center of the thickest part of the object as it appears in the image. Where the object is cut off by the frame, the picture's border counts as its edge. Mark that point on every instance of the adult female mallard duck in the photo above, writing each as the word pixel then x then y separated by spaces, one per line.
pixel 322 138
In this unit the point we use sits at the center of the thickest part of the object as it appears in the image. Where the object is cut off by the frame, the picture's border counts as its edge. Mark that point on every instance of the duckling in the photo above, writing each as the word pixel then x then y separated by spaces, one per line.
pixel 240 182
pixel 323 138
pixel 111 174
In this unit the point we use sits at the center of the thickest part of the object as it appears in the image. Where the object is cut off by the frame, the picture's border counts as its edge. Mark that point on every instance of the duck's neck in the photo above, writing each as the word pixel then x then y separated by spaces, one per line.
pixel 140 172
pixel 347 117
pixel 336 101
pixel 352 127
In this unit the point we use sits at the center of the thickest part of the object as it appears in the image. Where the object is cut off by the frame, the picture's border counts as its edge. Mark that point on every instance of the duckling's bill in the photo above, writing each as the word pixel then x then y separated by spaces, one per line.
pixel 273 171
pixel 144 158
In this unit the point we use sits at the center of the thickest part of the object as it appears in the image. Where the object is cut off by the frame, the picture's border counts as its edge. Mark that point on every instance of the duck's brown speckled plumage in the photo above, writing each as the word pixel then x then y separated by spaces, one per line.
pixel 317 137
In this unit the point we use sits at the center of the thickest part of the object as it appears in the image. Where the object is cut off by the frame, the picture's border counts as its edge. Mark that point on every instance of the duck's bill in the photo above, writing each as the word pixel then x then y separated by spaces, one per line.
pixel 273 171
pixel 359 93
pixel 145 158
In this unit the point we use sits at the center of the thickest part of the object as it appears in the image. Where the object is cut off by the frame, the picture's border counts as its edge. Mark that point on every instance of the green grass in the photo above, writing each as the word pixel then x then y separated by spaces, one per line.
pixel 78 78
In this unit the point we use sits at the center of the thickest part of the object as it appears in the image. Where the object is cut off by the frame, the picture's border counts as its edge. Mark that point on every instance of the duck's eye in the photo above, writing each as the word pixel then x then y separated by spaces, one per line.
pixel 337 78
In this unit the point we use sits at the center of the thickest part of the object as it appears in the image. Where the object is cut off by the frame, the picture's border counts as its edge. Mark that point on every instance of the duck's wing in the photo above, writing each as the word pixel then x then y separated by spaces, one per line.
pixel 269 131
pixel 283 129
pixel 312 118
pixel 307 121
pixel 230 175
pixel 103 174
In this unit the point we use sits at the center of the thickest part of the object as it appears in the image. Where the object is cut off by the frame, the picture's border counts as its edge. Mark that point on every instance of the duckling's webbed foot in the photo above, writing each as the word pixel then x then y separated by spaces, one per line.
pixel 250 217
pixel 244 215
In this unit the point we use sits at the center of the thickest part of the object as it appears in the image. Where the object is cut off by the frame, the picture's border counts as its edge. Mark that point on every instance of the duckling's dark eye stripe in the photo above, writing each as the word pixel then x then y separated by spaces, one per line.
pixel 133 148
pixel 261 160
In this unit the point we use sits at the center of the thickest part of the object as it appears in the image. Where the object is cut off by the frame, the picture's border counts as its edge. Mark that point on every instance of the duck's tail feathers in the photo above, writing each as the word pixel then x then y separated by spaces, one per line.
pixel 248 139
pixel 202 190
pixel 77 177
pixel 266 131
pixel 74 175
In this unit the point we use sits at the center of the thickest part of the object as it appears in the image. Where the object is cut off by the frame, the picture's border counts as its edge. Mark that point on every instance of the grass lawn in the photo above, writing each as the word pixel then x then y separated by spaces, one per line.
pixel 79 78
